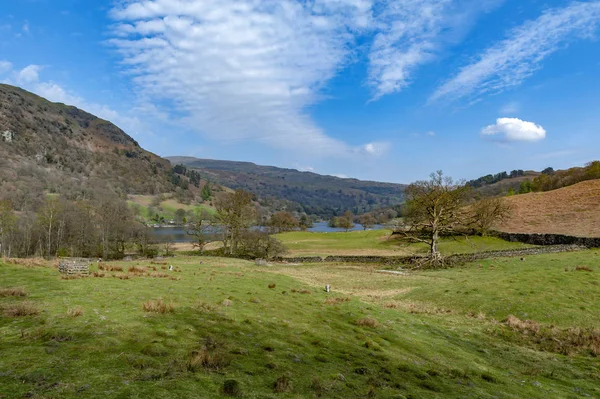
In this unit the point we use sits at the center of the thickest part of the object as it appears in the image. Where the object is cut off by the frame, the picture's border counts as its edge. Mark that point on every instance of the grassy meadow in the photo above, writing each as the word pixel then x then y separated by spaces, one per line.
pixel 224 327
pixel 381 242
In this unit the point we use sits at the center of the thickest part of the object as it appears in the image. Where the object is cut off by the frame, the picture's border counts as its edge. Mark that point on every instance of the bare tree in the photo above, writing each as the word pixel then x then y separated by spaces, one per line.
pixel 49 220
pixel 7 225
pixel 282 221
pixel 367 221
pixel 346 221
pixel 203 228
pixel 236 213
pixel 487 212
pixel 434 207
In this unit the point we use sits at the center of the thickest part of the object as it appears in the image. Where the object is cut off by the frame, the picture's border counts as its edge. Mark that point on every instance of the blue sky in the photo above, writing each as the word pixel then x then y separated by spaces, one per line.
pixel 374 89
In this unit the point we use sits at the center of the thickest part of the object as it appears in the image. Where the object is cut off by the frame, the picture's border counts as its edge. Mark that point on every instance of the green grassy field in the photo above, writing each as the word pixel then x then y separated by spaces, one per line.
pixel 435 334
pixel 379 242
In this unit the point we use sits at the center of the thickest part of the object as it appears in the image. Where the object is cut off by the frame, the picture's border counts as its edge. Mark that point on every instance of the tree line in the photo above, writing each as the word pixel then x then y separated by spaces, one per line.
pixel 101 227
pixel 552 180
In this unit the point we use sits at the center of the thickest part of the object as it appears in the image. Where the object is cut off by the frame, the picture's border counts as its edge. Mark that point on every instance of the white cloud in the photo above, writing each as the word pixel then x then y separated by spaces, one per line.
pixel 511 61
pixel 247 70
pixel 26 27
pixel 29 74
pixel 242 70
pixel 5 67
pixel 412 33
pixel 514 129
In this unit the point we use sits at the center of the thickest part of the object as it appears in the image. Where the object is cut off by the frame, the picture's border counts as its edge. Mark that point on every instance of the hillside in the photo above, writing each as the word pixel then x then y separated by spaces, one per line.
pixel 572 210
pixel 300 191
pixel 52 147
pixel 502 187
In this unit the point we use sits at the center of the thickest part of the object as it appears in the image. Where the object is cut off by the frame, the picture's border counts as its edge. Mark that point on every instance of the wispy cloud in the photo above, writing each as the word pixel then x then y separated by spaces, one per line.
pixel 511 108
pixel 247 70
pixel 511 61
pixel 412 33
pixel 242 70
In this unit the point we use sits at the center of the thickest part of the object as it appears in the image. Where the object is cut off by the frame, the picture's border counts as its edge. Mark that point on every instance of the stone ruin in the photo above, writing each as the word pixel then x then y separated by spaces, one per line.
pixel 74 266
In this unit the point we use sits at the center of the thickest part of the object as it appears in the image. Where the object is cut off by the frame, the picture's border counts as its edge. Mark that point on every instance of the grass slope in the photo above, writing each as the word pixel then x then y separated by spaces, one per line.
pixel 573 210
pixel 92 338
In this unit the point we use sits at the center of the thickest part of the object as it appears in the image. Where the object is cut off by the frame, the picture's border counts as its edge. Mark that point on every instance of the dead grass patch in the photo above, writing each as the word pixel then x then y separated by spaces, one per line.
pixel 75 312
pixel 31 262
pixel 303 291
pixel 272 285
pixel 207 307
pixel 72 276
pixel 21 309
pixel 226 302
pixel 158 306
pixel 417 308
pixel 124 277
pixel 137 270
pixel 282 384
pixel 367 322
pixel 337 301
pixel 564 341
pixel 583 269
pixel 207 360
pixel 110 268
pixel 98 274
pixel 18 292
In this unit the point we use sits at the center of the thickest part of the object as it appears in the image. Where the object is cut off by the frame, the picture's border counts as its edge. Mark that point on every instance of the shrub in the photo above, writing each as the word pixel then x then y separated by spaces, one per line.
pixel 18 292
pixel 158 306
pixel 272 285
pixel 257 244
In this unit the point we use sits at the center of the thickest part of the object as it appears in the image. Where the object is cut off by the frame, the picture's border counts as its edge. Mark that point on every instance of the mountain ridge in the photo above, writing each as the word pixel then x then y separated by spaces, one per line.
pixel 301 191
pixel 48 147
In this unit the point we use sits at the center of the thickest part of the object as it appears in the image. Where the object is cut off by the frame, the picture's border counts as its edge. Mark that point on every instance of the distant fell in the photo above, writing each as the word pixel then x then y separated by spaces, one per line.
pixel 308 192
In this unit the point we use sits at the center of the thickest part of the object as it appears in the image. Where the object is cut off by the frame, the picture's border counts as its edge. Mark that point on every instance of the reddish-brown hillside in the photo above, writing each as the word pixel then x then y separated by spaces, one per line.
pixel 573 210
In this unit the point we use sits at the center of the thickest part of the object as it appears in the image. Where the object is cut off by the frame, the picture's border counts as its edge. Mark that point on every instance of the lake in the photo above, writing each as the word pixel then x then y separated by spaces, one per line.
pixel 178 234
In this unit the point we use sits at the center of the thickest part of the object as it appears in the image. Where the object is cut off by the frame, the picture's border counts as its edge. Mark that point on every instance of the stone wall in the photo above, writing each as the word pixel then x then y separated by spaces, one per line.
pixel 74 266
pixel 406 260
pixel 548 239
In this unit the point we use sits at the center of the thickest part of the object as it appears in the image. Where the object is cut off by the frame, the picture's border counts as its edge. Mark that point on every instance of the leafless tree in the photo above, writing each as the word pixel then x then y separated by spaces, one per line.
pixel 434 207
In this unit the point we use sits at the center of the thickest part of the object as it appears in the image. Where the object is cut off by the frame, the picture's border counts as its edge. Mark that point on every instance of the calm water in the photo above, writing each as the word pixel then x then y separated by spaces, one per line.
pixel 178 234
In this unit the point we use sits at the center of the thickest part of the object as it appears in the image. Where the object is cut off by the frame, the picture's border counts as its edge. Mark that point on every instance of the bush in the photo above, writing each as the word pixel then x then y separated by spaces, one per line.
pixel 257 244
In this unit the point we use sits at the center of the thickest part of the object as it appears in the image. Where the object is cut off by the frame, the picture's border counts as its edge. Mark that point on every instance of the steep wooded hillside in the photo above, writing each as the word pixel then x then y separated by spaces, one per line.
pixel 308 192
pixel 51 147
